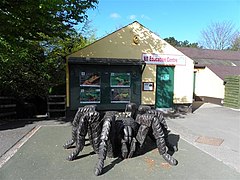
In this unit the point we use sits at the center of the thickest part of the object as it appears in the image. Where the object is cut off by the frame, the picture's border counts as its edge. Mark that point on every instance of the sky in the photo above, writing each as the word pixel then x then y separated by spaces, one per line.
pixel 181 19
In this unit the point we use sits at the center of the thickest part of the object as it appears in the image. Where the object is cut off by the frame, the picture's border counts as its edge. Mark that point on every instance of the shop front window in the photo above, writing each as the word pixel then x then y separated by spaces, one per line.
pixel 120 87
pixel 90 79
pixel 95 89
pixel 120 95
pixel 120 79
pixel 90 87
pixel 90 95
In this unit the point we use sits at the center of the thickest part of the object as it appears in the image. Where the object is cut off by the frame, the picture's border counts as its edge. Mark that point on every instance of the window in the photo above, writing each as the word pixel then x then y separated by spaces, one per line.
pixel 120 87
pixel 90 87
pixel 90 95
pixel 120 80
pixel 90 79
pixel 120 95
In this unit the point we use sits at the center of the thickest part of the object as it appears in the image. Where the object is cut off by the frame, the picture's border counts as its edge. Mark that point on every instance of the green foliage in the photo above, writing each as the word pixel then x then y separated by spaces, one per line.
pixel 22 68
pixel 28 19
pixel 176 43
pixel 35 37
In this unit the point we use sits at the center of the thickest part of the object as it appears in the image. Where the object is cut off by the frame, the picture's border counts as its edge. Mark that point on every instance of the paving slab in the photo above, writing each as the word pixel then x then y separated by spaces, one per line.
pixel 11 133
pixel 43 157
pixel 213 129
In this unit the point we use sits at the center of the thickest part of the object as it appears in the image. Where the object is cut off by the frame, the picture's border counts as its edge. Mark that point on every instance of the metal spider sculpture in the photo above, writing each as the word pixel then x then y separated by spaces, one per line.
pixel 119 134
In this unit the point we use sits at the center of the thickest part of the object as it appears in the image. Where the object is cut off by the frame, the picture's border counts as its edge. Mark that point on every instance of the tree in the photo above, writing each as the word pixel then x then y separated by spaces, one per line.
pixel 218 35
pixel 23 68
pixel 186 43
pixel 29 19
pixel 235 45
pixel 35 36
pixel 57 49
pixel 176 43
pixel 172 41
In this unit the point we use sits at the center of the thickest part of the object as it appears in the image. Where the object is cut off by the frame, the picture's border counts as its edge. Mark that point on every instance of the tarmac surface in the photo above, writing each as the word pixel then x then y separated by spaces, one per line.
pixel 208 142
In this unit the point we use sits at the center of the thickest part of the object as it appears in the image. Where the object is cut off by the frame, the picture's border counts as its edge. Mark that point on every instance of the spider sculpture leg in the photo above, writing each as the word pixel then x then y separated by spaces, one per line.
pixel 75 124
pixel 104 139
pixel 126 128
pixel 159 115
pixel 130 133
pixel 126 140
pixel 133 147
pixel 94 130
pixel 82 132
pixel 164 126
pixel 144 122
pixel 150 121
pixel 161 143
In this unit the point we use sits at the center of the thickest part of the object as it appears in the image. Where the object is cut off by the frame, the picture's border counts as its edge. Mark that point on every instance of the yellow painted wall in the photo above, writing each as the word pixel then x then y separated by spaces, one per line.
pixel 208 84
pixel 149 75
pixel 121 44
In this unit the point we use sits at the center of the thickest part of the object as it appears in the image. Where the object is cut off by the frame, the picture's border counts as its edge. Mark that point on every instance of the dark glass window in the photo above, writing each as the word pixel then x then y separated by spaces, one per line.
pixel 90 91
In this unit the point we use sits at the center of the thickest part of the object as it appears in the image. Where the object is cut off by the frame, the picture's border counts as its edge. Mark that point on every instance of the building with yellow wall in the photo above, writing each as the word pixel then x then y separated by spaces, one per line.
pixel 131 64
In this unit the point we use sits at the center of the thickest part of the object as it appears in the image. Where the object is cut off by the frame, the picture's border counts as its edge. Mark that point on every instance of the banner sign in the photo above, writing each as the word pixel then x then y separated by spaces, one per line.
pixel 164 59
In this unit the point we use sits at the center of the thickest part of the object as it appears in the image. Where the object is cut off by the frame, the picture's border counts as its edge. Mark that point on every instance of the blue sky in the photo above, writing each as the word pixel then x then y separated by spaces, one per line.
pixel 182 19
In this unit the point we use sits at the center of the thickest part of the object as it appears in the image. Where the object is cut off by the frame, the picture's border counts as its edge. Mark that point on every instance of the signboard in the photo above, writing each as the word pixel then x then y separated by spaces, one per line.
pixel 120 95
pixel 164 59
pixel 90 79
pixel 120 79
pixel 90 95
pixel 148 86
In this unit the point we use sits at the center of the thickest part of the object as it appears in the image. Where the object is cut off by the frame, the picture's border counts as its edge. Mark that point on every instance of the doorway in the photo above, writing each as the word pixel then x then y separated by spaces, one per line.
pixel 165 86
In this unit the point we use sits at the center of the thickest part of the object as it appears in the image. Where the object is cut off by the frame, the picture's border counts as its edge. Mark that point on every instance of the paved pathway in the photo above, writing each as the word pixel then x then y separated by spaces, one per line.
pixel 216 125
pixel 43 157
pixel 209 148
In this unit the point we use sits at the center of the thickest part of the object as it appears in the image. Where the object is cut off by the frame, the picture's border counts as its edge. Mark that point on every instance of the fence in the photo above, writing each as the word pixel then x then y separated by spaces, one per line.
pixel 56 106
pixel 7 107
pixel 232 92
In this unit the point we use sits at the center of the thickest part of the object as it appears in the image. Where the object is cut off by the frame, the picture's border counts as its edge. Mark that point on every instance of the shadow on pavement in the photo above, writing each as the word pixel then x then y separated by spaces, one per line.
pixel 85 155
pixel 197 105
pixel 148 146
pixel 173 139
pixel 111 165
pixel 13 124
pixel 18 123
pixel 184 111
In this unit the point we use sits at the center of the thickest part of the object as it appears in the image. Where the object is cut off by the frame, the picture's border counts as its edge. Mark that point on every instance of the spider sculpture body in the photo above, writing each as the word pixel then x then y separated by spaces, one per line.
pixel 119 134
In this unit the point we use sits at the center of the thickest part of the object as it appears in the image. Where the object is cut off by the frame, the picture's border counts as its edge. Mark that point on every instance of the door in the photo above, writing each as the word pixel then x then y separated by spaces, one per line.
pixel 165 86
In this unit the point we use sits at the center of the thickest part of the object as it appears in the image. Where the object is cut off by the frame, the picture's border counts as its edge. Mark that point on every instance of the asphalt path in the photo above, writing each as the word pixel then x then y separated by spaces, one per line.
pixel 211 130
pixel 217 126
